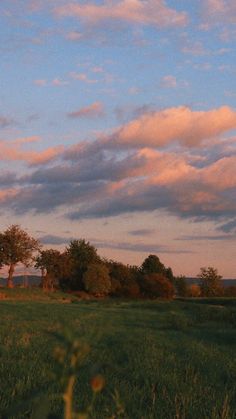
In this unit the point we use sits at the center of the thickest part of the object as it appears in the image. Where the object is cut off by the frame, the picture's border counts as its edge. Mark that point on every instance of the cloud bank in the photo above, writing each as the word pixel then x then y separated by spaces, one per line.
pixel 162 160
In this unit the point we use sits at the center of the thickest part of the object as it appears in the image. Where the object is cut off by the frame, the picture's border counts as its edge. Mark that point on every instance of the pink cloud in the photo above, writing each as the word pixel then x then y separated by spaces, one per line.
pixel 45 156
pixel 181 124
pixel 169 82
pixel 82 77
pixel 40 82
pixel 222 174
pixel 7 194
pixel 58 82
pixel 91 111
pixel 220 11
pixel 13 151
pixel 151 12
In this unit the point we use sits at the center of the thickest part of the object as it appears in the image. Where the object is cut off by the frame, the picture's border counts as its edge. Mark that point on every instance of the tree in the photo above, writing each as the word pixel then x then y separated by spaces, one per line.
pixel 50 263
pixel 151 265
pixel 81 255
pixel 157 285
pixel 97 280
pixel 16 246
pixel 210 282
pixel 181 286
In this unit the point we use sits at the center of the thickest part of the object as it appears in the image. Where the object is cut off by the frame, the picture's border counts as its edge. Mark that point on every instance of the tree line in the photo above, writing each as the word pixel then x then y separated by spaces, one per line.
pixel 79 269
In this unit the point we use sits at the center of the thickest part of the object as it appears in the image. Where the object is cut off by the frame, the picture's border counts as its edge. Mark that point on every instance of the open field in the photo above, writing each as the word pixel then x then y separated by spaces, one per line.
pixel 159 359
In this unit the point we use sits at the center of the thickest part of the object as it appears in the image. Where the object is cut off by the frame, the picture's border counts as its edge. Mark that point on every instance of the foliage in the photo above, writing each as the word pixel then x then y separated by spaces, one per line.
pixel 152 264
pixel 210 282
pixel 16 246
pixel 157 285
pixel 120 272
pixel 50 263
pixel 193 291
pixel 181 286
pixel 97 280
pixel 230 291
pixel 124 279
pixel 80 254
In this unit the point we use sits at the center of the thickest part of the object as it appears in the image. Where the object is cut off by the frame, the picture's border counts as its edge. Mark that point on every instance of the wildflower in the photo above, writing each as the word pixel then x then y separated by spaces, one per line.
pixel 97 383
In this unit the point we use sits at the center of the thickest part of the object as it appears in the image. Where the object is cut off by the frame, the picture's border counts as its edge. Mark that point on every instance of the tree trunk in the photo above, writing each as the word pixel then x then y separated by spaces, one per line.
pixel 10 276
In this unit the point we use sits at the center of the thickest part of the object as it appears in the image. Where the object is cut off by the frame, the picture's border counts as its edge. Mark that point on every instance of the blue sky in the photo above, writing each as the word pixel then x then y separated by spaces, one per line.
pixel 117 125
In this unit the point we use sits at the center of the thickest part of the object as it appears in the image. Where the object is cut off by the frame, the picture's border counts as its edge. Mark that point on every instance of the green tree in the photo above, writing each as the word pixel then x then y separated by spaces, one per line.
pixel 181 286
pixel 81 254
pixel 151 265
pixel 50 262
pixel 97 280
pixel 210 285
pixel 16 246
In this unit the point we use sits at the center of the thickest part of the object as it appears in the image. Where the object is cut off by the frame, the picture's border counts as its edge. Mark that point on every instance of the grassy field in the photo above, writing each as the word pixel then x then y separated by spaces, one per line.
pixel 159 359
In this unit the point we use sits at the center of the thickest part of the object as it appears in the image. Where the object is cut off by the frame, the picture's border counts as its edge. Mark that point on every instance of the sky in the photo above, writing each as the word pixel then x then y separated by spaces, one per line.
pixel 118 126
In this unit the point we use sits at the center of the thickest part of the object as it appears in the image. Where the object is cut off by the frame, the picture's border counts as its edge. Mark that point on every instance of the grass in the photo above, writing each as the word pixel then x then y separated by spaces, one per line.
pixel 159 359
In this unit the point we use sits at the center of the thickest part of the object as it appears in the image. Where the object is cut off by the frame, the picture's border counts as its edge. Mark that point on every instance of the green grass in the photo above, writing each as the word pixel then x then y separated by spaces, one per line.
pixel 159 359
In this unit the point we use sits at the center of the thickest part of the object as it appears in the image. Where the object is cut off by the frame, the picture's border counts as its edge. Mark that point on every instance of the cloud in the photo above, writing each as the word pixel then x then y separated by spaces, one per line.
pixel 220 11
pixel 94 110
pixel 58 82
pixel 181 124
pixel 5 121
pixel 40 82
pixel 106 244
pixel 82 77
pixel 192 174
pixel 229 226
pixel 7 178
pixel 53 240
pixel 168 82
pixel 149 12
pixel 13 151
pixel 141 232
pixel 136 247
pixel 74 36
pixel 221 237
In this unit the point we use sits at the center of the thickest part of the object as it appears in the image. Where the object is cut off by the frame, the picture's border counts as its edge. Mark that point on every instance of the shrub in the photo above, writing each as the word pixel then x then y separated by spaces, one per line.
pixel 193 291
pixel 131 289
pixel 97 280
pixel 115 287
pixel 230 291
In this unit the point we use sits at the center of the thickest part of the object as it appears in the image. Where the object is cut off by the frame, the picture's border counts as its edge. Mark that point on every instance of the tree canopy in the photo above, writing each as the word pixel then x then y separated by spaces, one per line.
pixel 16 246
pixel 209 282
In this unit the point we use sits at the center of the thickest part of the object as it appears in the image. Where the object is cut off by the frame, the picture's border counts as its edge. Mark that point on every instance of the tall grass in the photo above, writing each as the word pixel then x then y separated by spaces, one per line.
pixel 150 359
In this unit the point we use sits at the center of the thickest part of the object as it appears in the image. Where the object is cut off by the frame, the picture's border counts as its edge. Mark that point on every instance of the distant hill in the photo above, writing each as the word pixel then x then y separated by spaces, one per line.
pixel 225 282
pixel 30 280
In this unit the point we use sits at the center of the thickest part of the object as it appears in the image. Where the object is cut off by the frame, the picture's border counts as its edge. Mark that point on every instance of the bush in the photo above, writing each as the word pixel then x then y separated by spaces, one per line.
pixel 230 291
pixel 115 287
pixel 97 280
pixel 157 285
pixel 131 289
pixel 193 291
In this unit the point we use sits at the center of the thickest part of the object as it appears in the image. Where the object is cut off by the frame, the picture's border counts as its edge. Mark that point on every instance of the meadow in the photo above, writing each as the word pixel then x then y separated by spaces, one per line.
pixel 154 359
